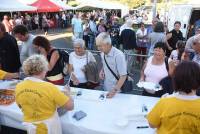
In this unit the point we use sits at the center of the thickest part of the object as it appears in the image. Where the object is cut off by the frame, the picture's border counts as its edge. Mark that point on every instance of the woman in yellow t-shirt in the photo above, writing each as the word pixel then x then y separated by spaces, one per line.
pixel 39 99
pixel 179 113
pixel 7 75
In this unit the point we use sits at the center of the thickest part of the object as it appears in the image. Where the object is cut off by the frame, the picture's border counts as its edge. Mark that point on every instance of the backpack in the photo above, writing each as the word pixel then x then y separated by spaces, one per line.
pixel 64 60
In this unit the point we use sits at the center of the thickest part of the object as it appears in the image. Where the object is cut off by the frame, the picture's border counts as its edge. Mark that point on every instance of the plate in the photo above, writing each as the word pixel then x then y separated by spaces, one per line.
pixel 8 84
pixel 121 122
pixel 139 117
pixel 149 86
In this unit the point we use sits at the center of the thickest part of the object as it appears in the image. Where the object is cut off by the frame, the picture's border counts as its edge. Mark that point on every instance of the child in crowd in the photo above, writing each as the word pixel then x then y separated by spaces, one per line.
pixel 180 47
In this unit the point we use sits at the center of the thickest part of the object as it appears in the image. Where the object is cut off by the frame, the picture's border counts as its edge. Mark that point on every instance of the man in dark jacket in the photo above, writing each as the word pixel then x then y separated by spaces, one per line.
pixel 9 52
pixel 128 40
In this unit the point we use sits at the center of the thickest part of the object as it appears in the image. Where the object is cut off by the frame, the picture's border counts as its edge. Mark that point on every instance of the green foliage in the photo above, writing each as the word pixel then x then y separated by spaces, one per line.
pixel 133 3
pixel 73 3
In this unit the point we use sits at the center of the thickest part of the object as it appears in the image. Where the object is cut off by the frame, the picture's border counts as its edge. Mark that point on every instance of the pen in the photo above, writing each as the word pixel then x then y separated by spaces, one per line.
pixel 142 127
pixel 70 77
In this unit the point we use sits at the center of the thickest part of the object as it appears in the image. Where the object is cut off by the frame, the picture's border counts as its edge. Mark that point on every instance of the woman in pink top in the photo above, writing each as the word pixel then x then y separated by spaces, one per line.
pixel 101 27
pixel 155 69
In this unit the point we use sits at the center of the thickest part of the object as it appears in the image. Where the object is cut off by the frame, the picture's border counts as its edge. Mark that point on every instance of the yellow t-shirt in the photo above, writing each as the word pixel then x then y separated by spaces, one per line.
pixel 2 74
pixel 176 116
pixel 38 100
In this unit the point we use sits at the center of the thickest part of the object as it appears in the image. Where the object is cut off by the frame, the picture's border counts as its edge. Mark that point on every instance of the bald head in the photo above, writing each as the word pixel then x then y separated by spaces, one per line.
pixel 5 17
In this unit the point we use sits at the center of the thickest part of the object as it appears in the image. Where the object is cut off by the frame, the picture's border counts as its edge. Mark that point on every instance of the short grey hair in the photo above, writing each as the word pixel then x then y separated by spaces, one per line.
pixel 129 23
pixel 35 64
pixel 79 42
pixel 196 39
pixel 103 38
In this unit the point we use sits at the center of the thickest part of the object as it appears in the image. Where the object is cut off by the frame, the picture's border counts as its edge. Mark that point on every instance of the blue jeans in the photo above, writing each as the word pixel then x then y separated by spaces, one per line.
pixel 91 42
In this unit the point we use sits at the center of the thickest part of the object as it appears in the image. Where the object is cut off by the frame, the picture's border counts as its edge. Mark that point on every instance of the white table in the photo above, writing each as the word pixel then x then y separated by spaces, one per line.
pixel 101 114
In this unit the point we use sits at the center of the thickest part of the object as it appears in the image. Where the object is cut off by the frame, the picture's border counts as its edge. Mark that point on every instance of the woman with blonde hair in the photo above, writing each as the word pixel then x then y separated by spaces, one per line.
pixel 39 99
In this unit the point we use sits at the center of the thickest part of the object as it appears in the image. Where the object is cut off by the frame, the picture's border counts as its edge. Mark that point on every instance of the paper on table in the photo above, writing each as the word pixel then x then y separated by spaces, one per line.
pixel 121 122
pixel 8 84
pixel 135 114
pixel 149 85
pixel 93 97
pixel 139 117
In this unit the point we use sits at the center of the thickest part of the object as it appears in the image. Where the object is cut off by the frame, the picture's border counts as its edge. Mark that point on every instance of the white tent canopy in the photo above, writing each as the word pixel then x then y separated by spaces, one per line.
pixel 62 4
pixel 14 5
pixel 103 5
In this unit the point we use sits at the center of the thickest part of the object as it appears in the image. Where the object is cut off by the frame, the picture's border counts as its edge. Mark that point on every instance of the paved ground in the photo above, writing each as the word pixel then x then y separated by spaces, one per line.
pixel 60 38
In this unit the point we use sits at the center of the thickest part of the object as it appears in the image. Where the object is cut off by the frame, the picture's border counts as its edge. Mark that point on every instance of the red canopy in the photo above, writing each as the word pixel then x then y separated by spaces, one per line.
pixel 46 6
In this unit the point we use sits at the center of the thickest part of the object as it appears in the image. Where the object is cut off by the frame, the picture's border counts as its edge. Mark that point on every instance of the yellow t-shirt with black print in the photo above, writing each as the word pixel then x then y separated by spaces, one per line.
pixel 176 116
pixel 2 74
pixel 38 100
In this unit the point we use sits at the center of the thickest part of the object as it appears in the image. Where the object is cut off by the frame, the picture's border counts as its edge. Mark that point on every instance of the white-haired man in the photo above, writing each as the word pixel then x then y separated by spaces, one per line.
pixel 190 41
pixel 115 60
pixel 196 47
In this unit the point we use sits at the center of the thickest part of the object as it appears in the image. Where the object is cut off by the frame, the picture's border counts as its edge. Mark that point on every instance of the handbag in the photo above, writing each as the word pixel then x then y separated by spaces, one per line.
pixel 90 32
pixel 128 83
pixel 91 73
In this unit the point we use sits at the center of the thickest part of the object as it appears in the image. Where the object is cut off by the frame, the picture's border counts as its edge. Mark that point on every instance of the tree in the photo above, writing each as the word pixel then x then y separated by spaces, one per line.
pixel 133 3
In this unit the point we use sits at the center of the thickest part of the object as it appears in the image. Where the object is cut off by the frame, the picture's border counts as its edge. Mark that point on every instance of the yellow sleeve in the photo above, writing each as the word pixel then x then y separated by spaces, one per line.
pixel 59 97
pixel 2 74
pixel 154 117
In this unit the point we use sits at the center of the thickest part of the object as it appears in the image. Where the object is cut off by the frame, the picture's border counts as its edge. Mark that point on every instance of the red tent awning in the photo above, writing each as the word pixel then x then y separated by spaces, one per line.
pixel 46 6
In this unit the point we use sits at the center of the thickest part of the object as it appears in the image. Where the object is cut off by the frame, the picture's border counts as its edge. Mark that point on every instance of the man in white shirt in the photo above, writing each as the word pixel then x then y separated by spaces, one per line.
pixel 18 21
pixel 77 27
pixel 115 60
pixel 92 33
pixel 21 33
pixel 57 20
pixel 64 19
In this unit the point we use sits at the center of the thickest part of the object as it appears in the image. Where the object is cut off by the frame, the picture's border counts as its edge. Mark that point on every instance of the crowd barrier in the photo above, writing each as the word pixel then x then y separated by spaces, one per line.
pixel 137 61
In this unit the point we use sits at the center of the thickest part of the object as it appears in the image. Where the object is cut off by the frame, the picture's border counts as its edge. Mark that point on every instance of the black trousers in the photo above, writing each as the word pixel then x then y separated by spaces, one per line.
pixel 156 94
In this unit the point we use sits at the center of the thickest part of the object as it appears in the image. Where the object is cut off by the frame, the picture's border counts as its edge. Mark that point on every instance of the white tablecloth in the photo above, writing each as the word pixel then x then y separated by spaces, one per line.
pixel 101 118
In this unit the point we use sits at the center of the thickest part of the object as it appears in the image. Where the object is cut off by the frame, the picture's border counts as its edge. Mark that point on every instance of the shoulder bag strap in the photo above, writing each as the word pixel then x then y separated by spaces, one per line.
pixel 50 53
pixel 87 57
pixel 166 64
pixel 110 69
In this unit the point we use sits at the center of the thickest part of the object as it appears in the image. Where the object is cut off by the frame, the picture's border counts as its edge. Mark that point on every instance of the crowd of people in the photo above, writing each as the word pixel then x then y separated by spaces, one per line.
pixel 173 62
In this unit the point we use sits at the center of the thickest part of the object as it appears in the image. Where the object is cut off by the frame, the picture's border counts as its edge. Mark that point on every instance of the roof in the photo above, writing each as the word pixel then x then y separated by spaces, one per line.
pixel 46 6
pixel 14 5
